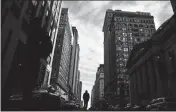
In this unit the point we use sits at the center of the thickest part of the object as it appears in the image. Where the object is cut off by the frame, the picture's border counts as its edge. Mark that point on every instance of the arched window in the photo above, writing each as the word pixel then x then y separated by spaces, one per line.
pixel 140 25
pixel 130 25
pixel 135 25
pixel 151 26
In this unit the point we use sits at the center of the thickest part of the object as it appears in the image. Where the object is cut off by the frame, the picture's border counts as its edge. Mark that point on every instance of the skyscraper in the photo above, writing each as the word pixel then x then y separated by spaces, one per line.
pixel 74 63
pixel 79 91
pixel 93 96
pixel 122 30
pixel 98 88
pixel 61 62
pixel 77 83
pixel 16 17
pixel 173 3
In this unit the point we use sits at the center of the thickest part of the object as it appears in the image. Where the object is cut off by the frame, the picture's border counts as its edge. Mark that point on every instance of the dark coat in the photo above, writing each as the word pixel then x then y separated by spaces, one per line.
pixel 86 96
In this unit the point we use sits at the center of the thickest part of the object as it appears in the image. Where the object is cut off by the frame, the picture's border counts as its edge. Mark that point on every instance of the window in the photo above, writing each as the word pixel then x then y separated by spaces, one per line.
pixel 47 13
pixel 51 23
pixel 49 2
pixel 124 29
pixel 138 39
pixel 146 26
pixel 118 91
pixel 115 19
pixel 140 29
pixel 125 49
pixel 151 26
pixel 34 2
pixel 43 3
pixel 118 48
pixel 49 32
pixel 125 55
pixel 48 59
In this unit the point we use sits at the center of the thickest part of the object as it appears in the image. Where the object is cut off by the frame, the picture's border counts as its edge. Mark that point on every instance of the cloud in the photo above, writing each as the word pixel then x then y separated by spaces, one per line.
pixel 88 17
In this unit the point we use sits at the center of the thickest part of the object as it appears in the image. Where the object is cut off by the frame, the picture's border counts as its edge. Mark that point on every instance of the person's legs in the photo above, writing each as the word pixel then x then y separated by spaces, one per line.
pixel 86 104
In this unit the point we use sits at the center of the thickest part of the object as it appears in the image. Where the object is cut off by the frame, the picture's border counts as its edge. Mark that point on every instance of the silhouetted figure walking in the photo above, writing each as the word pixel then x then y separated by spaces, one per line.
pixel 86 99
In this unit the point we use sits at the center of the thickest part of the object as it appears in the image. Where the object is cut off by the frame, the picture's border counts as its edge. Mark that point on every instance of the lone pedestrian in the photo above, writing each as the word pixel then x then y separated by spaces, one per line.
pixel 86 99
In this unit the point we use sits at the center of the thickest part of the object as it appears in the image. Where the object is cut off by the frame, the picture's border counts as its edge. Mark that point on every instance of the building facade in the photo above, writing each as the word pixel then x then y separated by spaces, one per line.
pixel 173 3
pixel 74 63
pixel 122 30
pixel 80 90
pixel 61 62
pixel 93 96
pixel 16 17
pixel 151 66
pixel 54 19
pixel 98 88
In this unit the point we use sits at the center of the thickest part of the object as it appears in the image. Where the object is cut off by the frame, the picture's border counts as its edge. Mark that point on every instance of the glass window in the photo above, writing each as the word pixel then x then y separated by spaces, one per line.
pixel 49 59
pixel 43 3
pixel 51 23
pixel 34 2
pixel 125 49
pixel 47 13
pixel 49 32
pixel 118 48
pixel 49 2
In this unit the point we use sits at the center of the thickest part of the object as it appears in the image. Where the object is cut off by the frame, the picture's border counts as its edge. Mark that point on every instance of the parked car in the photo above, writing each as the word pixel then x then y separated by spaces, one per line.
pixel 164 103
pixel 121 107
pixel 110 107
pixel 128 106
pixel 136 108
pixel 70 104
pixel 16 97
pixel 116 107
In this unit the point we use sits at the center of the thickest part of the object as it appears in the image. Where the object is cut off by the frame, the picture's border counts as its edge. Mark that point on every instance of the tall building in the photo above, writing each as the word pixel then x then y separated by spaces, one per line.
pixel 122 30
pixel 173 3
pixel 80 90
pixel 53 14
pixel 98 88
pixel 61 61
pixel 93 96
pixel 152 64
pixel 77 84
pixel 74 63
pixel 16 17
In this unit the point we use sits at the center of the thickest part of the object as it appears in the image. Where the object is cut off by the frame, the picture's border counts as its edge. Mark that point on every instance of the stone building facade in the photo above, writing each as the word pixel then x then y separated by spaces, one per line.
pixel 62 53
pixel 122 30
pixel 98 88
pixel 74 63
pixel 173 3
pixel 152 64
pixel 16 17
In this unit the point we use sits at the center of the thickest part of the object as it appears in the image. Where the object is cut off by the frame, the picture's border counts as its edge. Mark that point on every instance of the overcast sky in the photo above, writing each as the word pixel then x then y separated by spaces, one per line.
pixel 88 17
